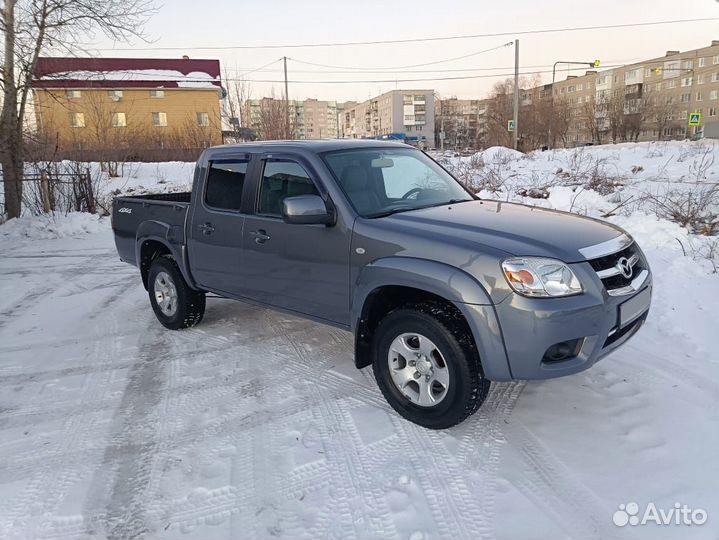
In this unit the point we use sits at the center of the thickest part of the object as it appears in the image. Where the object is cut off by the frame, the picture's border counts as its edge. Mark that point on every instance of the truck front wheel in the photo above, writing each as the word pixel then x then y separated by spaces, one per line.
pixel 175 304
pixel 427 366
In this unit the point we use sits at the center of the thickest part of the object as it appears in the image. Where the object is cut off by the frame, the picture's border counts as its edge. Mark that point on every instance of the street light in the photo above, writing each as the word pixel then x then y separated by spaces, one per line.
pixel 593 64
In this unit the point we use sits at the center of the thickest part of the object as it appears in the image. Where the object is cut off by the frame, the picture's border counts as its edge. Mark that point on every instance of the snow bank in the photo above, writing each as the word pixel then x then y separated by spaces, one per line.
pixel 50 226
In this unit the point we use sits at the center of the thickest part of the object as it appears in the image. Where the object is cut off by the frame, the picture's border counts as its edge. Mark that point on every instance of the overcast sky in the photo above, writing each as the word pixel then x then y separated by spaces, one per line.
pixel 217 23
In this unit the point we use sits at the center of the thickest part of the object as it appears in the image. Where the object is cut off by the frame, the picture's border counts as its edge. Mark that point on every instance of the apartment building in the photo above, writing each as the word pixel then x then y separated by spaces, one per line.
pixel 460 122
pixel 408 114
pixel 644 101
pixel 130 105
pixel 309 119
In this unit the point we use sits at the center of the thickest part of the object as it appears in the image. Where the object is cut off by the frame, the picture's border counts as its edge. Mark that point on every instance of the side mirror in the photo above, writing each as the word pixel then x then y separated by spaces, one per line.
pixel 306 210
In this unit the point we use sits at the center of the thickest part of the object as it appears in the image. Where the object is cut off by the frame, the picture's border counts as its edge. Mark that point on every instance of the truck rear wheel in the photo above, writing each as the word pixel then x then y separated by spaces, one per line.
pixel 427 366
pixel 175 304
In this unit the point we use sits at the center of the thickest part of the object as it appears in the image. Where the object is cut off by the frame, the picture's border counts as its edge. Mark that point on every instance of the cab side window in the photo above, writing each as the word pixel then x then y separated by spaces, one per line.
pixel 225 181
pixel 282 179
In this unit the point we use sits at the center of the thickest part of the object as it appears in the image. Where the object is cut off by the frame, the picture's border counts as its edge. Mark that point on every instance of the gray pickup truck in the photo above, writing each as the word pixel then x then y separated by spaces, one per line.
pixel 443 291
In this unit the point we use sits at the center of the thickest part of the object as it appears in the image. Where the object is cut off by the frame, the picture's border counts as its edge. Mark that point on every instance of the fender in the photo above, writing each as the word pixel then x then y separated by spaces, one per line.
pixel 448 282
pixel 170 238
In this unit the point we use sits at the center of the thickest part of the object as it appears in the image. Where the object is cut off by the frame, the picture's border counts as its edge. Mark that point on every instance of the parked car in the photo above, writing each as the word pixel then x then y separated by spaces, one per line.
pixel 444 292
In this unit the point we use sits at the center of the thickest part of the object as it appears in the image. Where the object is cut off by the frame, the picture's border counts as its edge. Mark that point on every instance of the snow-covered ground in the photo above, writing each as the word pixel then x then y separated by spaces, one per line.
pixel 256 424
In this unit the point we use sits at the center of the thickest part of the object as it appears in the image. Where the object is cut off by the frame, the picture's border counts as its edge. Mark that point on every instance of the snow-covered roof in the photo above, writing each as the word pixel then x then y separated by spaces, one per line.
pixel 126 73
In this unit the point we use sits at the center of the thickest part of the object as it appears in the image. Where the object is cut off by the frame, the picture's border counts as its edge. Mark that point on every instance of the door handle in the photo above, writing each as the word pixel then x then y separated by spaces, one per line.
pixel 260 235
pixel 206 228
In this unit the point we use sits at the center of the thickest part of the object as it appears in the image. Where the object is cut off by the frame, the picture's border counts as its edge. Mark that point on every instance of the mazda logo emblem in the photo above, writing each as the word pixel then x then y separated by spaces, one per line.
pixel 625 267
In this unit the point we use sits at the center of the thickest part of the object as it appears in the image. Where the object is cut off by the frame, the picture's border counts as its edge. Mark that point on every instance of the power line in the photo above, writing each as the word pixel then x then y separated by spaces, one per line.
pixel 412 65
pixel 432 79
pixel 416 40
pixel 260 68
pixel 452 70
pixel 183 78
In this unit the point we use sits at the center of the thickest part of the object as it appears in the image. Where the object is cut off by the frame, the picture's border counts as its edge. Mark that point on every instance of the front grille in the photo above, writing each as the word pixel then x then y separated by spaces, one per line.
pixel 607 267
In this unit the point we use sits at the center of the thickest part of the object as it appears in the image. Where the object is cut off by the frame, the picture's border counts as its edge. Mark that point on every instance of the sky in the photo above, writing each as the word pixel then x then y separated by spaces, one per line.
pixel 188 25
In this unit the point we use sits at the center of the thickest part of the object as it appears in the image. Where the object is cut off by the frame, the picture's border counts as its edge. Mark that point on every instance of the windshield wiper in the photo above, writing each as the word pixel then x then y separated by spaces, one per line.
pixel 445 203
pixel 390 212
pixel 403 209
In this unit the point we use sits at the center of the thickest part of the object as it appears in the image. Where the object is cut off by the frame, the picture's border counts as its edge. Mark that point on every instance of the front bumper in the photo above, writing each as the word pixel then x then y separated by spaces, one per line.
pixel 523 329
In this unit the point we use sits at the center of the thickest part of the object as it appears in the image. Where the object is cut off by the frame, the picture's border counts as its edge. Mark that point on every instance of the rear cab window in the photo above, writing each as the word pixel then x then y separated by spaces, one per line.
pixel 225 182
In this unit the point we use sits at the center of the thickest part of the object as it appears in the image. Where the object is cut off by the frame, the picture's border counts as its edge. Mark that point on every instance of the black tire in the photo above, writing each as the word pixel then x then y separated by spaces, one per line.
pixel 447 329
pixel 190 304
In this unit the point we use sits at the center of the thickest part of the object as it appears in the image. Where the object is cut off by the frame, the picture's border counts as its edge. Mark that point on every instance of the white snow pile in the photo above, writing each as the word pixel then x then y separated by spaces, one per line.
pixel 57 225
pixel 666 194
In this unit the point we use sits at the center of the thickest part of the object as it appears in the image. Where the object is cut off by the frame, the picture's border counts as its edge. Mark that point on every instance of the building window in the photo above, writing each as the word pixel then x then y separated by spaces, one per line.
pixel 688 64
pixel 702 62
pixel 647 72
pixel 684 98
pixel 203 119
pixel 159 119
pixel 715 77
pixel 419 98
pixel 715 59
pixel 73 94
pixel 77 120
pixel 713 94
pixel 115 95
pixel 406 99
pixel 687 81
pixel 699 96
pixel 700 79
pixel 119 119
pixel 157 93
pixel 712 111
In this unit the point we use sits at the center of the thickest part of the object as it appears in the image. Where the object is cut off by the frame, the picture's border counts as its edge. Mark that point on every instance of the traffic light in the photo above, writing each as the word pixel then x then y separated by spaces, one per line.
pixel 597 63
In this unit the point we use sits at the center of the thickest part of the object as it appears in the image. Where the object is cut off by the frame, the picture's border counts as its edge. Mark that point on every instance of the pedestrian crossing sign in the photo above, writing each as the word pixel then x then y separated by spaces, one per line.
pixel 695 119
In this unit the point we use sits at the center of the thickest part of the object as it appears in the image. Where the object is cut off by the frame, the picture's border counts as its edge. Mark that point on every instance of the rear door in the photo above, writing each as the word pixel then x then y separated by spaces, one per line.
pixel 304 268
pixel 215 232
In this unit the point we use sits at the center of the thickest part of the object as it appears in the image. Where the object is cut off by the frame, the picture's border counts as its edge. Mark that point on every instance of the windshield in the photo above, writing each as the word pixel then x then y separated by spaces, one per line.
pixel 379 181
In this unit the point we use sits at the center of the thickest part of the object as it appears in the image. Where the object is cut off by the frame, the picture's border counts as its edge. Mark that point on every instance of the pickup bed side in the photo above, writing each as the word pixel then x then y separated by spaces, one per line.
pixel 152 224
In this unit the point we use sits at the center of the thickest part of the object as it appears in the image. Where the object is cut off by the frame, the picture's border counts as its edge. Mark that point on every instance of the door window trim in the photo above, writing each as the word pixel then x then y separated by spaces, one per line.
pixel 261 177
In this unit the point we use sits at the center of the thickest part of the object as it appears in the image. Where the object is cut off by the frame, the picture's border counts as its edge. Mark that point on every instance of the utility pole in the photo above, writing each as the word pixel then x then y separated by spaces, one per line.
pixel 287 101
pixel 594 64
pixel 516 92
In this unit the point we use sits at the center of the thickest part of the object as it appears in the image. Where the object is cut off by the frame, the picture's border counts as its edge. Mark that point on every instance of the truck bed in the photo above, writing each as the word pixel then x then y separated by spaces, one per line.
pixel 167 210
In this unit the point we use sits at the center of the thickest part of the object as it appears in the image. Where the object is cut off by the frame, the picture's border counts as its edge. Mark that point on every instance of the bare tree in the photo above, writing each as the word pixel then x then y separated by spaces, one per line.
pixel 36 27
pixel 589 115
pixel 660 112
pixel 614 109
pixel 235 106
pixel 272 119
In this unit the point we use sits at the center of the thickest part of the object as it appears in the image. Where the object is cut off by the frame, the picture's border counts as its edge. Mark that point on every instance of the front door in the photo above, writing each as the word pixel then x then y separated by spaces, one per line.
pixel 304 268
pixel 215 233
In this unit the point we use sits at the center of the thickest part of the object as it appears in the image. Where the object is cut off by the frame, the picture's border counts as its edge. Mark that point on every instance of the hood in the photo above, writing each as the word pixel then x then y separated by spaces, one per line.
pixel 514 228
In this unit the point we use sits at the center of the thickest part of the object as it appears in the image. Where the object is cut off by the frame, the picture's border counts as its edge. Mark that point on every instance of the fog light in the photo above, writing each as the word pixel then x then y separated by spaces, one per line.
pixel 562 351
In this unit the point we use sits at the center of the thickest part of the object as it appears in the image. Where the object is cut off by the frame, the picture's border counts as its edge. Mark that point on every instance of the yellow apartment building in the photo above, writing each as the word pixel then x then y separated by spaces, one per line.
pixel 139 107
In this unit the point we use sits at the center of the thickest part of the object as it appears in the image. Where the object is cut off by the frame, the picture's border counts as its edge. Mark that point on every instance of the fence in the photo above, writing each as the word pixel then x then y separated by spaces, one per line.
pixel 52 190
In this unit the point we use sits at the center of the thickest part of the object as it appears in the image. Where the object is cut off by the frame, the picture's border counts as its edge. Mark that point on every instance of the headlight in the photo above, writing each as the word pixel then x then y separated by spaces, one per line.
pixel 536 276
